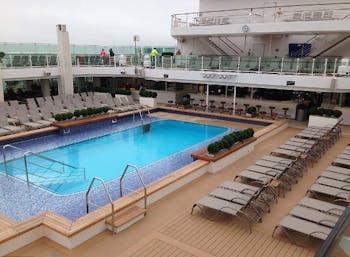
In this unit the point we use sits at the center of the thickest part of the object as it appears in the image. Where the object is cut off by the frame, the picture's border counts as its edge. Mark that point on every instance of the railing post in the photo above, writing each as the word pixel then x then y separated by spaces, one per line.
pixel 162 62
pixel 171 62
pixel 313 66
pixel 297 68
pixel 11 61
pixel 26 167
pixel 202 65
pixel 5 161
pixel 30 61
pixel 335 66
pixel 219 63
pixel 239 63
pixel 259 65
pixel 155 61
pixel 325 67
pixel 282 63
pixel 186 60
pixel 47 60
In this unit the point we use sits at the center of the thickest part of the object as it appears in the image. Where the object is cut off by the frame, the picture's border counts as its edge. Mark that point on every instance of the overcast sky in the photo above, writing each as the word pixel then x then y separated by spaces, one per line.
pixel 105 22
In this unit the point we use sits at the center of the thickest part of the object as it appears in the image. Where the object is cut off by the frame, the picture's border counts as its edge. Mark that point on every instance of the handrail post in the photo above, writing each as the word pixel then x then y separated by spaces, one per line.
pixel 282 63
pixel 219 63
pixel 202 64
pixel 26 167
pixel 239 63
pixel 313 66
pixel 325 67
pixel 335 66
pixel 5 161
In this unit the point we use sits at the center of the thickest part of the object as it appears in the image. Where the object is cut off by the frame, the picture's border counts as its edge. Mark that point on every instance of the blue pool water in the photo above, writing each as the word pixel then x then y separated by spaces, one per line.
pixel 107 156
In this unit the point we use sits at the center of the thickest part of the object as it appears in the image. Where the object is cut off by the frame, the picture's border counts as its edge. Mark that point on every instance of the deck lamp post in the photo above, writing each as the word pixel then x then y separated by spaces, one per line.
pixel 135 39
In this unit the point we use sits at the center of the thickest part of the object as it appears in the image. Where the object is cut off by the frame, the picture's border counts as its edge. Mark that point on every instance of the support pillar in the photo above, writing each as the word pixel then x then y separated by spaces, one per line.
pixel 65 85
pixel 207 98
pixel 45 87
pixel 1 89
pixel 234 100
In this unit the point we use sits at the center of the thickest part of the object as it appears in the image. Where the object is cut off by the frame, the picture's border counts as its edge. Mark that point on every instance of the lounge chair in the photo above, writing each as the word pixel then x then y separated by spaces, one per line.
pixel 308 228
pixel 340 170
pixel 337 193
pixel 23 119
pixel 5 125
pixel 334 183
pixel 322 206
pixel 336 176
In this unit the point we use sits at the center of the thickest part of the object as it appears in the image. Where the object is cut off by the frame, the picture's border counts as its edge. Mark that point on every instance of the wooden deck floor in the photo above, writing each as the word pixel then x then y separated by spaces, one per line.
pixel 170 230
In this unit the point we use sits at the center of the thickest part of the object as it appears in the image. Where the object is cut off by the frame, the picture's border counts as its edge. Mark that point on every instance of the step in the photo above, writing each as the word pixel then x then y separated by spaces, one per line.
pixel 126 218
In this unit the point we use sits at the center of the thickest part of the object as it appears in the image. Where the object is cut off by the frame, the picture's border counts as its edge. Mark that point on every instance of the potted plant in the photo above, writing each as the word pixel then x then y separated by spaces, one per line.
pixel 251 111
pixel 320 117
pixel 148 98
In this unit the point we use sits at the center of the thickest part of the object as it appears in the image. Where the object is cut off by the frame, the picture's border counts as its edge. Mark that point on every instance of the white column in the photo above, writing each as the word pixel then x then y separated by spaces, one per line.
pixel 207 98
pixel 65 83
pixel 234 100
pixel 45 87
pixel 1 89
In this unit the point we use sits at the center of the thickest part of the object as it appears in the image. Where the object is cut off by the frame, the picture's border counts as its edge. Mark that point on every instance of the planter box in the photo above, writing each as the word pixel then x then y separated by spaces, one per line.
pixel 149 101
pixel 321 121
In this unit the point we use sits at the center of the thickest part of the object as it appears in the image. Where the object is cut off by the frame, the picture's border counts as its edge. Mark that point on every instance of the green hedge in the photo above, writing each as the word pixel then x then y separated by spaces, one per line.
pixel 325 112
pixel 251 109
pixel 229 140
pixel 145 93
pixel 122 92
pixel 82 112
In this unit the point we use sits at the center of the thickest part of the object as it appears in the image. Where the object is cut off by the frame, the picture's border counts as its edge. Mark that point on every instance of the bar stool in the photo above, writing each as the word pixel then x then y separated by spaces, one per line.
pixel 285 110
pixel 246 107
pixel 170 103
pixel 262 114
pixel 196 106
pixel 222 107
pixel 239 111
pixel 212 107
pixel 258 106
pixel 271 110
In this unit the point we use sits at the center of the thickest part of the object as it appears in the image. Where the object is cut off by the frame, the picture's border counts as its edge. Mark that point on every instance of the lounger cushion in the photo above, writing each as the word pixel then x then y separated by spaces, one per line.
pixel 220 205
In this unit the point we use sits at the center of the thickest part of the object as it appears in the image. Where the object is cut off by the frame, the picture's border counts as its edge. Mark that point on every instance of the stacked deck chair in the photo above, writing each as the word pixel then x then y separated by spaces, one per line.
pixel 120 104
pixel 314 217
pixel 311 218
pixel 236 199
pixel 4 124
pixel 24 119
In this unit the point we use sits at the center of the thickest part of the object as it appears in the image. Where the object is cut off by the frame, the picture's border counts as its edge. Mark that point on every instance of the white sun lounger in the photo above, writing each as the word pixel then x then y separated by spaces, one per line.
pixel 240 187
pixel 343 156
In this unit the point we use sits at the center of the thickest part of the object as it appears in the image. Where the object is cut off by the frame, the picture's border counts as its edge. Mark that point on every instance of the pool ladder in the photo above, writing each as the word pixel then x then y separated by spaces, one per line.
pixel 140 112
pixel 120 220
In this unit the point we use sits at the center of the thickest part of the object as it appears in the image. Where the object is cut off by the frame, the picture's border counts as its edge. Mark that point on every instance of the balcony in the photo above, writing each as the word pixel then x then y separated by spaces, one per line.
pixel 266 20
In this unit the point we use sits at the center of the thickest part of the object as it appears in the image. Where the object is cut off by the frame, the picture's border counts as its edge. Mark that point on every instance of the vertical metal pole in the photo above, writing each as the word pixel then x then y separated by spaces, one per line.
pixel 296 72
pixel 5 161
pixel 207 98
pixel 47 60
pixel 325 67
pixel 239 63
pixel 202 65
pixel 30 60
pixel 171 62
pixel 259 66
pixel 234 100
pixel 219 63
pixel 335 67
pixel 186 60
pixel 162 62
pixel 282 63
pixel 26 167
pixel 313 66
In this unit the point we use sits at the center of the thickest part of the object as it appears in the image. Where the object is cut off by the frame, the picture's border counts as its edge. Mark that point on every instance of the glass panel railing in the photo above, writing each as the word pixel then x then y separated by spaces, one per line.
pixel 180 62
pixel 289 65
pixel 194 62
pixel 319 65
pixel 305 65
pixel 211 63
pixel 229 63
pixel 249 63
pixel 270 64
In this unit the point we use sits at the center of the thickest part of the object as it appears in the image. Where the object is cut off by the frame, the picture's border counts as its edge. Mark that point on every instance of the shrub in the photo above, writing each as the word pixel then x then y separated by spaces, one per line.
pixel 77 113
pixel 58 117
pixel 105 109
pixel 84 112
pixel 89 111
pixel 228 140
pixel 154 94
pixel 225 144
pixel 185 102
pixel 145 93
pixel 122 92
pixel 337 113
pixel 251 110
pixel 69 115
pixel 326 112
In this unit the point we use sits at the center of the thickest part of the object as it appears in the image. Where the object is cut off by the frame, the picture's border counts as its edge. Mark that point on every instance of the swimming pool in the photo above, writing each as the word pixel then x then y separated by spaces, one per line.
pixel 106 156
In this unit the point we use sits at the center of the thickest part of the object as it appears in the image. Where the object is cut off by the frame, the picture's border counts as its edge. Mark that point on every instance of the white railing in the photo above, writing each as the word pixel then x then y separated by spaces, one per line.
pixel 286 13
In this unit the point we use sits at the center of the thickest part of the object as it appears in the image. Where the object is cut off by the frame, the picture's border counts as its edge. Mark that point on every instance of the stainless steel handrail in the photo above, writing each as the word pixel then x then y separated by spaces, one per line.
pixel 108 195
pixel 141 179
pixel 28 153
